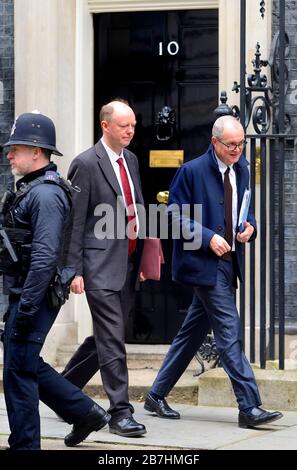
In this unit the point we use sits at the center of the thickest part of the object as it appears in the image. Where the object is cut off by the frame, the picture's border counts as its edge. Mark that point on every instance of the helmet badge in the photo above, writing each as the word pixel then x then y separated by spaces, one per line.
pixel 13 126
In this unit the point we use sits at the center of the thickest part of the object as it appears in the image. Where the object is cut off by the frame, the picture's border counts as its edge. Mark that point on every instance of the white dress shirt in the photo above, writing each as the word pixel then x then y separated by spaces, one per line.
pixel 232 177
pixel 113 157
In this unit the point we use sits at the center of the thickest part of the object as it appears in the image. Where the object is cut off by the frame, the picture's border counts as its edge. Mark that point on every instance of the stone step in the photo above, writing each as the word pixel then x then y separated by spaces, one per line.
pixel 213 388
pixel 140 381
pixel 139 356
pixel 277 388
pixel 144 361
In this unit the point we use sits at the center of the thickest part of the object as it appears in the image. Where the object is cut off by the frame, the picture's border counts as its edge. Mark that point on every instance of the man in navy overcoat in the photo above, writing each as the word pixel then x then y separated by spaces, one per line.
pixel 214 182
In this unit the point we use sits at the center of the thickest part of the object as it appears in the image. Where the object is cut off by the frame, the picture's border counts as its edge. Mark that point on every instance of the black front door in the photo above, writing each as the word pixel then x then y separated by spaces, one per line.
pixel 153 60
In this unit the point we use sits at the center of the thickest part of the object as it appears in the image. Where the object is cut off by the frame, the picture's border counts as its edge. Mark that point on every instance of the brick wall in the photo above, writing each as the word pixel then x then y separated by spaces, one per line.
pixel 6 97
pixel 290 176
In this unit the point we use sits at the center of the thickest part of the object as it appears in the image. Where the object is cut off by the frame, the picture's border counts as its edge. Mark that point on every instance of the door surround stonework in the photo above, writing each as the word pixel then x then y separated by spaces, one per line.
pixel 107 6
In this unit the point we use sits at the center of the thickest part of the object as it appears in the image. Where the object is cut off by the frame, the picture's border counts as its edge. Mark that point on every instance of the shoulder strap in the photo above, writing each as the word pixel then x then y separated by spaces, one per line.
pixel 53 177
pixel 23 190
pixel 50 177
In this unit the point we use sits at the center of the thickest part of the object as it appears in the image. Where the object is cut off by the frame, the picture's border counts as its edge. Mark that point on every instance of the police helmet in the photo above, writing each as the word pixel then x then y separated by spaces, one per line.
pixel 34 129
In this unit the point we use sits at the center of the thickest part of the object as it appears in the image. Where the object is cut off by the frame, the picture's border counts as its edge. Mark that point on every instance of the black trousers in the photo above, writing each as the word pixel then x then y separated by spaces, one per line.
pixel 106 349
pixel 83 364
pixel 28 379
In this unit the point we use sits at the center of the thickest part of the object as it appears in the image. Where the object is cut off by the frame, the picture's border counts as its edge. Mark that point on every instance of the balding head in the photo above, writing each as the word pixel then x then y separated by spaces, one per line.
pixel 117 106
pixel 118 123
pixel 228 139
pixel 223 123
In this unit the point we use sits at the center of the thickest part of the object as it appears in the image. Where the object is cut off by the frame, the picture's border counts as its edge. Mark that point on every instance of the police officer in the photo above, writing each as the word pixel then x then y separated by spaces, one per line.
pixel 33 226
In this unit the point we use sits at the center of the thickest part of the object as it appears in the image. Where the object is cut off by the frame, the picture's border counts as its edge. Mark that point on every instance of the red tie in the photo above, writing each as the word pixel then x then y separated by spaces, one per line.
pixel 129 203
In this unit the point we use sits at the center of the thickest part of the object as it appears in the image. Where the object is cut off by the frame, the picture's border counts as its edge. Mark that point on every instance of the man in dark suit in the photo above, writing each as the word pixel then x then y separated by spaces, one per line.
pixel 216 181
pixel 102 248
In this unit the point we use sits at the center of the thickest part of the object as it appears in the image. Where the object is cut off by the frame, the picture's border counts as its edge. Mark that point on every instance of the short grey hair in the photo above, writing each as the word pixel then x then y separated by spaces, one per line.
pixel 219 125
pixel 107 110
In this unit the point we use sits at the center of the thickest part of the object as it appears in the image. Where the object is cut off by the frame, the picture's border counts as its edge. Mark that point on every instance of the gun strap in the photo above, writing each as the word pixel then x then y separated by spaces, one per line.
pixel 26 187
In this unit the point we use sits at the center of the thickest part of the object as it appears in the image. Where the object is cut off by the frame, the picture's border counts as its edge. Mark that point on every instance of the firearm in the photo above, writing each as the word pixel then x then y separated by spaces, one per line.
pixel 8 245
pixel 4 205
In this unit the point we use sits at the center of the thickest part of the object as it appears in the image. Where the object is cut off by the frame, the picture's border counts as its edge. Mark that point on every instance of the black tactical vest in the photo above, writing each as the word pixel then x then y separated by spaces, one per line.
pixel 15 236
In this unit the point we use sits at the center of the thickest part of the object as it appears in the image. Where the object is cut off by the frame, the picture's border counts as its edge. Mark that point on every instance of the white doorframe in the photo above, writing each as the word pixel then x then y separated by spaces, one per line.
pixel 100 6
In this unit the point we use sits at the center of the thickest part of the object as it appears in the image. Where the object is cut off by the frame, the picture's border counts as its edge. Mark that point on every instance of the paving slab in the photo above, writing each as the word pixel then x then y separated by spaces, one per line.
pixel 200 427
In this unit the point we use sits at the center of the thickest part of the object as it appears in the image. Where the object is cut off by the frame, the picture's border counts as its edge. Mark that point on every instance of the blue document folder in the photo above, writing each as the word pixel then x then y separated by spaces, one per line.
pixel 244 209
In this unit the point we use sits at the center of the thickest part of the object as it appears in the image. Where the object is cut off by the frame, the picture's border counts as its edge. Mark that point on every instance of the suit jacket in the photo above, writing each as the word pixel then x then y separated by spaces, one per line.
pixel 200 182
pixel 101 260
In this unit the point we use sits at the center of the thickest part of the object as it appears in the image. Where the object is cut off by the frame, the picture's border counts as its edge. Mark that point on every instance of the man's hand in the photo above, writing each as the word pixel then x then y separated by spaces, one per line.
pixel 219 245
pixel 77 285
pixel 246 234
pixel 24 323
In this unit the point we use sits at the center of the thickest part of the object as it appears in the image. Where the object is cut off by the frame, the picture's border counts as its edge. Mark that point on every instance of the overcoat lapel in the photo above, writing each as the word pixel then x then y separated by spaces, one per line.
pixel 134 176
pixel 106 168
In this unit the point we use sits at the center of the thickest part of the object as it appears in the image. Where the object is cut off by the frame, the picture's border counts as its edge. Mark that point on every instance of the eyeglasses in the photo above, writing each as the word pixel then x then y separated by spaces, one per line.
pixel 233 147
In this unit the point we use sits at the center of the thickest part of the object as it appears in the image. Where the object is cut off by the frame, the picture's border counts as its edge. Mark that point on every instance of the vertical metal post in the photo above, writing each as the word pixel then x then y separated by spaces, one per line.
pixel 242 120
pixel 272 222
pixel 252 257
pixel 242 60
pixel 242 301
pixel 281 124
pixel 263 235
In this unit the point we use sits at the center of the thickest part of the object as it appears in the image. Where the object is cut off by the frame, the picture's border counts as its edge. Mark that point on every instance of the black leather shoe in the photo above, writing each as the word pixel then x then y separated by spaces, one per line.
pixel 127 427
pixel 95 420
pixel 256 417
pixel 160 407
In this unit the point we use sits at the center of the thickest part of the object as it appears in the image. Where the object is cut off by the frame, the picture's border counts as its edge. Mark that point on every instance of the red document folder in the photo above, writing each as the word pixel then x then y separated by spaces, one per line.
pixel 152 258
